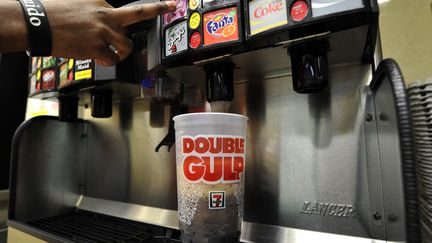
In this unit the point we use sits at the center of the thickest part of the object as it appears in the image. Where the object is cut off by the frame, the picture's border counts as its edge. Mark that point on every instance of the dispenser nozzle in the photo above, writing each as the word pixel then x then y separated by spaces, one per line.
pixel 220 85
pixel 309 66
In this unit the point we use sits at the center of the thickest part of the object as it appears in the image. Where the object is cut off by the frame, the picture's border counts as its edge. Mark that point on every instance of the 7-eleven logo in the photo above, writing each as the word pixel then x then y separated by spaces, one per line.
pixel 216 200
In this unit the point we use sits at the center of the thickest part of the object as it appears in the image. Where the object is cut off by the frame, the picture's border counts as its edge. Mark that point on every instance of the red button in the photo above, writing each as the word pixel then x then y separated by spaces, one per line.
pixel 299 10
pixel 195 40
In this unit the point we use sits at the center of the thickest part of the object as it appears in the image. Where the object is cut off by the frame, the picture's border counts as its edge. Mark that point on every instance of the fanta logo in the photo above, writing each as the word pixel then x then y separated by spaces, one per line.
pixel 216 25
pixel 269 9
pixel 213 159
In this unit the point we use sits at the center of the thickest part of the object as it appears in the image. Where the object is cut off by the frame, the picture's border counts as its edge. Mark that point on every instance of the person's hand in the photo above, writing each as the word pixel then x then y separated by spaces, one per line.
pixel 91 28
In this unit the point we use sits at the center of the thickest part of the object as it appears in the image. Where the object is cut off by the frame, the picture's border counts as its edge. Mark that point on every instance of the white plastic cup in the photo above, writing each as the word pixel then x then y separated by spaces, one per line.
pixel 210 162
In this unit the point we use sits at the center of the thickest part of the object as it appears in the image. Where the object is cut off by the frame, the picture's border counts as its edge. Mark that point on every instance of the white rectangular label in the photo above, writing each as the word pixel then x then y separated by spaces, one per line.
pixel 266 14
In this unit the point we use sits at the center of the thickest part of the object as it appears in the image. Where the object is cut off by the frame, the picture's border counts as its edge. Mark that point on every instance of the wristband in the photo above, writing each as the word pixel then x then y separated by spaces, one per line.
pixel 39 32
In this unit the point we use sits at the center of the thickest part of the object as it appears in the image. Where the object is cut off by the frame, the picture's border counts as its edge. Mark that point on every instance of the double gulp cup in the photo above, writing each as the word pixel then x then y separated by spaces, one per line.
pixel 210 162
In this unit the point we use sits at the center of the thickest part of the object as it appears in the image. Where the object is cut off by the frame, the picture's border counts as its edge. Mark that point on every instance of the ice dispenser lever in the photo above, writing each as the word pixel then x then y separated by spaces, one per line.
pixel 177 107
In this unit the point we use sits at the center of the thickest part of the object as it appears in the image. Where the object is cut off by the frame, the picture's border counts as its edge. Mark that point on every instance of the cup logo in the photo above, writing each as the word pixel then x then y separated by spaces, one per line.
pixel 213 159
pixel 217 200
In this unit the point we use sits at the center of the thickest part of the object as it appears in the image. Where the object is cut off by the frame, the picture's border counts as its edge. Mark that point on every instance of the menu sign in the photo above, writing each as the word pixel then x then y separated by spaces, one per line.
pixel 176 39
pixel 221 26
pixel 266 14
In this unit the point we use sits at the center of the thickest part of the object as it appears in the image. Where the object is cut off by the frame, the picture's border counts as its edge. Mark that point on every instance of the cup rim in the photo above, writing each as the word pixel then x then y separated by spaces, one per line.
pixel 209 114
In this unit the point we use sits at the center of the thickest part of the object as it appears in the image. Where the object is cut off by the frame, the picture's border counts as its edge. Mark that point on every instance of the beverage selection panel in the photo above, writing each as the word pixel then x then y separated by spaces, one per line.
pixel 48 74
pixel 201 26
pixel 266 16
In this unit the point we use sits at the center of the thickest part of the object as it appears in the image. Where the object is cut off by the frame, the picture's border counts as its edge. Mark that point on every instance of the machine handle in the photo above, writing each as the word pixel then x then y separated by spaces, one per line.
pixel 177 108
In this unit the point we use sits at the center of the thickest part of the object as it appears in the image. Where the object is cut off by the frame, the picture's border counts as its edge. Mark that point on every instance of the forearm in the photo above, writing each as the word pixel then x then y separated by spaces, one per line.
pixel 13 30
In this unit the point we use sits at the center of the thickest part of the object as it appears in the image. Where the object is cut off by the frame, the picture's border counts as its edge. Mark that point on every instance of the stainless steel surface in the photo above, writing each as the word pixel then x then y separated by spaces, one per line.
pixel 50 168
pixel 125 147
pixel 135 212
pixel 153 46
pixel 372 161
pixel 378 55
pixel 325 7
pixel 320 162
pixel 306 148
pixel 345 47
pixel 274 234
pixel 305 151
pixel 389 156
pixel 251 232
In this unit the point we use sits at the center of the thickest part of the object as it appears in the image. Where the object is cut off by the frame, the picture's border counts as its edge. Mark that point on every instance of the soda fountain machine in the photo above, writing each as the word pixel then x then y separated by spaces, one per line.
pixel 329 143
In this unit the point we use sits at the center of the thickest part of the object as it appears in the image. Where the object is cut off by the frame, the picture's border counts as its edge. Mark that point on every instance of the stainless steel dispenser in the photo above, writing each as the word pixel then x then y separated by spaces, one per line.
pixel 332 162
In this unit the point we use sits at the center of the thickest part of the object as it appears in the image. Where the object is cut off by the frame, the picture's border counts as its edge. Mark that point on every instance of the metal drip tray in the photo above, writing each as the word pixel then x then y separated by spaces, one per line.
pixel 83 226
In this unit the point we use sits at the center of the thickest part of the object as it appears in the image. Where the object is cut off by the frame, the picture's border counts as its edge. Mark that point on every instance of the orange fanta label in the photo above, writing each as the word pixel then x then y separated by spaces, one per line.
pixel 221 26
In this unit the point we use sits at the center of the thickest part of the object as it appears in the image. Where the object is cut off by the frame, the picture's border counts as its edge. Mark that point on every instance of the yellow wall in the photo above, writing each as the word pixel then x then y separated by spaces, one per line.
pixel 406 32
pixel 17 236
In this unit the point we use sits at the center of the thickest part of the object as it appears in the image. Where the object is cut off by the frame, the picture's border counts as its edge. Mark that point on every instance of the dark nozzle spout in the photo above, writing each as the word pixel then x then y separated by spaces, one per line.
pixel 68 108
pixel 219 85
pixel 309 65
pixel 101 103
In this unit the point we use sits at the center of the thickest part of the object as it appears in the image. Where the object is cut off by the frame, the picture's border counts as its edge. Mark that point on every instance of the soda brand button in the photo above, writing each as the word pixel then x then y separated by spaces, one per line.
pixel 195 40
pixel 220 26
pixel 299 10
pixel 194 4
pixel 194 20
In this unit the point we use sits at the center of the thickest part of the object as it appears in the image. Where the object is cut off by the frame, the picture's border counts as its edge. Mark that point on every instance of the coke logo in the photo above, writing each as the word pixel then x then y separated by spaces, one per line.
pixel 270 9
pixel 213 159
pixel 218 23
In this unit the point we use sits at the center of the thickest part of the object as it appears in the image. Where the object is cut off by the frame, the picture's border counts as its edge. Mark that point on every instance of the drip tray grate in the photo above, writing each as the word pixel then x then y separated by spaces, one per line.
pixel 83 226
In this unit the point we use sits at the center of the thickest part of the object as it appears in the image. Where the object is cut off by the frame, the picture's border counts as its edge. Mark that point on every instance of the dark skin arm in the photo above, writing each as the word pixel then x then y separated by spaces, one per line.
pixel 80 29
